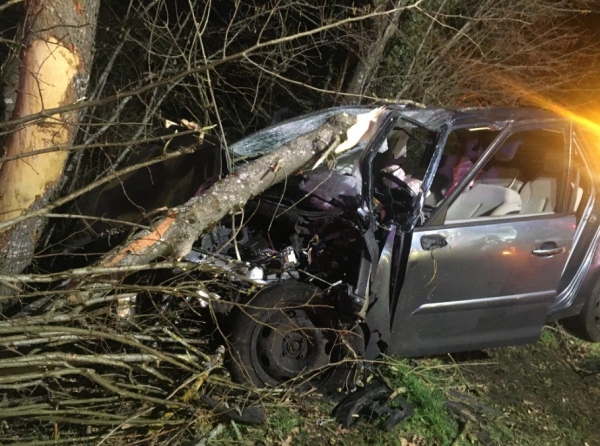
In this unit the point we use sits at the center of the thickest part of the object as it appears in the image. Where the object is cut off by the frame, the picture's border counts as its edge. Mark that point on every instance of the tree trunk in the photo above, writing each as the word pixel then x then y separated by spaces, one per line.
pixel 175 234
pixel 54 71
pixel 372 55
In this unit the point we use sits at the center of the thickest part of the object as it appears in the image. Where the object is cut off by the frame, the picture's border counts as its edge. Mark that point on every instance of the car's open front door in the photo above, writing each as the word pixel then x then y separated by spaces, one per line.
pixel 486 274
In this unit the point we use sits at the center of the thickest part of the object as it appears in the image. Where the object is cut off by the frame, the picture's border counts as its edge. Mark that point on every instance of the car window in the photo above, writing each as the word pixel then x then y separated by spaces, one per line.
pixel 462 150
pixel 405 155
pixel 525 176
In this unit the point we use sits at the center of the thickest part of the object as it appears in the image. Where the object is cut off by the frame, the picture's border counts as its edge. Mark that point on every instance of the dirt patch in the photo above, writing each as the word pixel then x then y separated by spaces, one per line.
pixel 546 393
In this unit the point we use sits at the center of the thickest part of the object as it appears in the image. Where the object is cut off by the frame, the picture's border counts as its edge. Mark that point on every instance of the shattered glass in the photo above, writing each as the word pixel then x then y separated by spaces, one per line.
pixel 269 139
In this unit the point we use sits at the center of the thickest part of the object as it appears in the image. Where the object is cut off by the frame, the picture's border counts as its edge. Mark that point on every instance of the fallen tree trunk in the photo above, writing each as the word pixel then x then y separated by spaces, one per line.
pixel 174 235
pixel 156 367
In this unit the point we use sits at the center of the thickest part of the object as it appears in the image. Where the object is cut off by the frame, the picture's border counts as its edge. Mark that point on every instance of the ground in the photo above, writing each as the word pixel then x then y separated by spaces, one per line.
pixel 548 393
pixel 542 394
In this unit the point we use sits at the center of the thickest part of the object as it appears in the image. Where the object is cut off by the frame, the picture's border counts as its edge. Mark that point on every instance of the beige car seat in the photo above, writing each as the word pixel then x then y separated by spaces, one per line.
pixel 484 200
pixel 501 174
pixel 539 196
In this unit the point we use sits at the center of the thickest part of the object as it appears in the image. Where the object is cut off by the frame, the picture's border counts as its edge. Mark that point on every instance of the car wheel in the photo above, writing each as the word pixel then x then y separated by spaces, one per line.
pixel 590 316
pixel 288 333
pixel 586 325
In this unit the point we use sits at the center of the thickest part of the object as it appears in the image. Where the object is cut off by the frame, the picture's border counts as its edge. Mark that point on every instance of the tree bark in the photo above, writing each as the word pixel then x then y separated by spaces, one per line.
pixel 54 71
pixel 372 55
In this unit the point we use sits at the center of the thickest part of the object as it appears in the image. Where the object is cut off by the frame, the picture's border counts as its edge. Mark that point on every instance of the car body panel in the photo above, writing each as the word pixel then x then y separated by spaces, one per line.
pixel 484 288
pixel 582 269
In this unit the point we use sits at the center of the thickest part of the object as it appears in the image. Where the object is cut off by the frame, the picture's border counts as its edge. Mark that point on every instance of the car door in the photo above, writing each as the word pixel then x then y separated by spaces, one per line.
pixel 484 271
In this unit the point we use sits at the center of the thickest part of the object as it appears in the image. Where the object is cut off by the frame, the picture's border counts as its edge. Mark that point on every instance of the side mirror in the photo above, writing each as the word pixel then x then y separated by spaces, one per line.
pixel 434 241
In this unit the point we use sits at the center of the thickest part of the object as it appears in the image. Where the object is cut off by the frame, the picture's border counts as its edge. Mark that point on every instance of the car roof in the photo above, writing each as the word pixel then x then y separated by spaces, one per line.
pixel 467 115
pixel 432 117
pixel 473 115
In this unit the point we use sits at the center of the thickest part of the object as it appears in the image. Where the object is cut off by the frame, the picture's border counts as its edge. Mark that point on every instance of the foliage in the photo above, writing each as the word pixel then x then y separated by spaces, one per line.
pixel 163 60
pixel 421 386
pixel 549 339
pixel 510 52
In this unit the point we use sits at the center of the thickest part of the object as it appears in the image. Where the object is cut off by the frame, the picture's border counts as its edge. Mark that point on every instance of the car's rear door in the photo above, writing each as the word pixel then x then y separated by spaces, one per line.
pixel 475 281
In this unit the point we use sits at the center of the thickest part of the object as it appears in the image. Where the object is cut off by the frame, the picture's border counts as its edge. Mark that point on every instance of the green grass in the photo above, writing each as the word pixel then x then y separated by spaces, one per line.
pixel 594 351
pixel 530 411
pixel 283 420
pixel 549 338
pixel 431 419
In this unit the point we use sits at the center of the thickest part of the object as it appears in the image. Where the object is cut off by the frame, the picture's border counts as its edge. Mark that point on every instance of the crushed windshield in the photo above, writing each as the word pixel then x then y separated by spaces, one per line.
pixel 271 138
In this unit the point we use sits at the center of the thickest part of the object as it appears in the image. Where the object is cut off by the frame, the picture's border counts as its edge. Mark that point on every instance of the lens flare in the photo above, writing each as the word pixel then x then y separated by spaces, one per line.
pixel 587 120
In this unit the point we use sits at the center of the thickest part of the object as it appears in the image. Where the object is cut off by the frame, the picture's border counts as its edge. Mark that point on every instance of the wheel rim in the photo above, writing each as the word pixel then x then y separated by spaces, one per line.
pixel 287 344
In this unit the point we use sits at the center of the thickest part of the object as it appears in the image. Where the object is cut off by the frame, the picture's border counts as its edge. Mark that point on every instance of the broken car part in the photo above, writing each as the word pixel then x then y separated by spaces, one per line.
pixel 372 403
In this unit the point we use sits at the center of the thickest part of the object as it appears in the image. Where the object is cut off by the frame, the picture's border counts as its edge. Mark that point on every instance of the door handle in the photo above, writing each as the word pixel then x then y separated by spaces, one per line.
pixel 548 249
pixel 433 241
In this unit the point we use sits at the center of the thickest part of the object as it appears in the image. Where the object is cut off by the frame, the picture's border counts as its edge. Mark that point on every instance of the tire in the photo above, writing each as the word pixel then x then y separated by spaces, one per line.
pixel 586 324
pixel 590 316
pixel 287 334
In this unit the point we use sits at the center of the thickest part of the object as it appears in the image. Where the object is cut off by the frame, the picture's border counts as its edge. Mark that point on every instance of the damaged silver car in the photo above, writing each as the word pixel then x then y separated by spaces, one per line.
pixel 449 230
pixel 443 231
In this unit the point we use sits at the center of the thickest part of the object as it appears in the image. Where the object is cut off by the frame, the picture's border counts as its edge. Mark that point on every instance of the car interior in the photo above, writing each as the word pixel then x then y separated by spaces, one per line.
pixel 524 177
